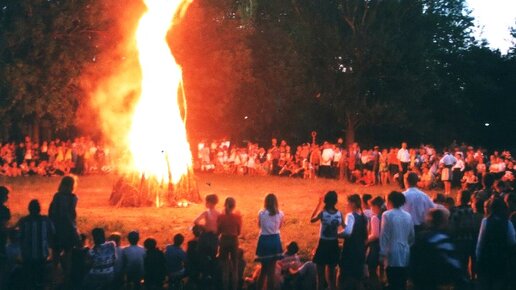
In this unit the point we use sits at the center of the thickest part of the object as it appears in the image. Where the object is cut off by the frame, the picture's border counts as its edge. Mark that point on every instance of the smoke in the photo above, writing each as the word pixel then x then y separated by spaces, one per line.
pixel 112 81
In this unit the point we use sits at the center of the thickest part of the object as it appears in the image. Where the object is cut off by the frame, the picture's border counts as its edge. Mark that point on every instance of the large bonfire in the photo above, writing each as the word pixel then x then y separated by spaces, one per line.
pixel 160 170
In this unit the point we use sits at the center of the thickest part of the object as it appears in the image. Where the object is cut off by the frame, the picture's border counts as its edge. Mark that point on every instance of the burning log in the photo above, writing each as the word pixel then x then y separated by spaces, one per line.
pixel 135 190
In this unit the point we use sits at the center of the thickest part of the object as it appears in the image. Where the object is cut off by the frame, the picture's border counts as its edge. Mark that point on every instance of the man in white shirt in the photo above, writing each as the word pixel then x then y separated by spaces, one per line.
pixel 403 163
pixel 417 202
pixel 327 155
pixel 446 175
pixel 396 237
pixel 458 170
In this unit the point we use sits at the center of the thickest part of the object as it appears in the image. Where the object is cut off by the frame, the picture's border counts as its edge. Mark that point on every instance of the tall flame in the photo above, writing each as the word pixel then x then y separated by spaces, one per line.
pixel 157 138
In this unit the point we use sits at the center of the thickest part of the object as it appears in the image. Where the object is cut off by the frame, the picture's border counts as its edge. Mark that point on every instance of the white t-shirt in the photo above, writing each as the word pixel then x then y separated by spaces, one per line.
pixel 330 223
pixel 327 156
pixel 270 225
pixel 403 155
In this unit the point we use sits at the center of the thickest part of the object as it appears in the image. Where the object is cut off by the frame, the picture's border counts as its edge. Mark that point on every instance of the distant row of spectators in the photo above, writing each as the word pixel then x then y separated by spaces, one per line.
pixel 56 157
pixel 458 166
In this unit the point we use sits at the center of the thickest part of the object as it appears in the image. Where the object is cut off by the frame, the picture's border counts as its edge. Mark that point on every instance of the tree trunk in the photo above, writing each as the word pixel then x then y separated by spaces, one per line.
pixel 35 130
pixel 350 133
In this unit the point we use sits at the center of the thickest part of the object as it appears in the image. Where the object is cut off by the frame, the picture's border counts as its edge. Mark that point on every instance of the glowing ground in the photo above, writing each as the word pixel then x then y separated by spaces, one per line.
pixel 297 199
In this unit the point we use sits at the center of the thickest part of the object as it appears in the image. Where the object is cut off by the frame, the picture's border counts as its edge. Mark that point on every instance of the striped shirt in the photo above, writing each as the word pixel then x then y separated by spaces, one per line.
pixel 36 234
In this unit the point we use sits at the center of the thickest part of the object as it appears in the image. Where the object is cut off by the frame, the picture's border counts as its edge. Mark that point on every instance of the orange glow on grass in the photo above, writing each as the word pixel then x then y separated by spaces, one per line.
pixel 157 138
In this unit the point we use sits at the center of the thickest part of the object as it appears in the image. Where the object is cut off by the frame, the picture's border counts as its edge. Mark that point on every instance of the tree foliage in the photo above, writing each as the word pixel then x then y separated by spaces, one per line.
pixel 45 45
pixel 375 70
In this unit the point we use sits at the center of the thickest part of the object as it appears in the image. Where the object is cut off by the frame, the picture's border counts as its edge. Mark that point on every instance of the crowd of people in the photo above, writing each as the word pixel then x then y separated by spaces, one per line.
pixel 54 158
pixel 460 166
pixel 373 242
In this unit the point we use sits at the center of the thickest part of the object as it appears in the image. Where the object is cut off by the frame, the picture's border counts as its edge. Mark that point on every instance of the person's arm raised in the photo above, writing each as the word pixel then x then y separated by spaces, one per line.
pixel 316 214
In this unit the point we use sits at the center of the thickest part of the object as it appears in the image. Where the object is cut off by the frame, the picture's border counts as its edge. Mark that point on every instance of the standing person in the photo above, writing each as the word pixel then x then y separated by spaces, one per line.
pixel 434 260
pixel 463 230
pixel 229 228
pixel 132 257
pixel 5 216
pixel 366 206
pixel 417 203
pixel 447 162
pixel 373 239
pixel 36 234
pixel 496 242
pixel 352 261
pixel 102 262
pixel 327 253
pixel 63 215
pixel 403 157
pixel 269 249
pixel 327 155
pixel 79 267
pixel 396 237
pixel 208 218
pixel 275 153
pixel 458 170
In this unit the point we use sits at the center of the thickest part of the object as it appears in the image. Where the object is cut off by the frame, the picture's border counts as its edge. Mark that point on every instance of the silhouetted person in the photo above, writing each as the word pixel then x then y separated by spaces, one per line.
pixel 79 267
pixel 36 236
pixel 496 241
pixel 132 257
pixel 229 228
pixel 353 255
pixel 154 265
pixel 434 260
pixel 464 230
pixel 175 258
pixel 193 257
pixel 5 216
pixel 63 215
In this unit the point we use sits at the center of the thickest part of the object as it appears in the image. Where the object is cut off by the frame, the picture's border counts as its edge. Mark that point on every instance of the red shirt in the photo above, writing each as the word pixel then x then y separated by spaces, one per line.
pixel 229 224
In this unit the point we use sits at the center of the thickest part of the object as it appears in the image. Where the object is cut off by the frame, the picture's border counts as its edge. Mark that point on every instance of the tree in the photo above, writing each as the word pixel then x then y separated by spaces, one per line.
pixel 45 46
pixel 211 45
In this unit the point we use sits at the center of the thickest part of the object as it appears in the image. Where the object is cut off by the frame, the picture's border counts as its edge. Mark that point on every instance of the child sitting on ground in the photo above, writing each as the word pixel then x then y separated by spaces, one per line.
pixel 133 260
pixel 175 258
pixel 154 265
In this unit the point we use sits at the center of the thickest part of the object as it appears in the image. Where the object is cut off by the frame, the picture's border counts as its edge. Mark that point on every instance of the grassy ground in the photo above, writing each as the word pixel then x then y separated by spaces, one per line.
pixel 297 199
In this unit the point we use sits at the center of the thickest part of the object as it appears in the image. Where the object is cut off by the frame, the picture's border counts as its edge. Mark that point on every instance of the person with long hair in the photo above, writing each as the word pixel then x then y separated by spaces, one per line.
pixel 229 228
pixel 327 253
pixel 62 212
pixel 269 249
pixel 496 242
pixel 352 260
pixel 373 239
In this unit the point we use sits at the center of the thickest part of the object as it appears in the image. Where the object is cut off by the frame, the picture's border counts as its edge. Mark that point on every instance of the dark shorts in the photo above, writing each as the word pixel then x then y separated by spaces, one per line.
pixel 327 252
pixel 393 169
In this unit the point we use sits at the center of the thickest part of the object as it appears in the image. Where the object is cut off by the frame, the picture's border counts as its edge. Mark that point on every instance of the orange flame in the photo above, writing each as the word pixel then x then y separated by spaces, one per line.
pixel 157 138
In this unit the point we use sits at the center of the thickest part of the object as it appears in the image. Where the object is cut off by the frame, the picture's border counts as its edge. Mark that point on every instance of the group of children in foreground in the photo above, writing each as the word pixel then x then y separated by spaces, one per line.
pixel 405 236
